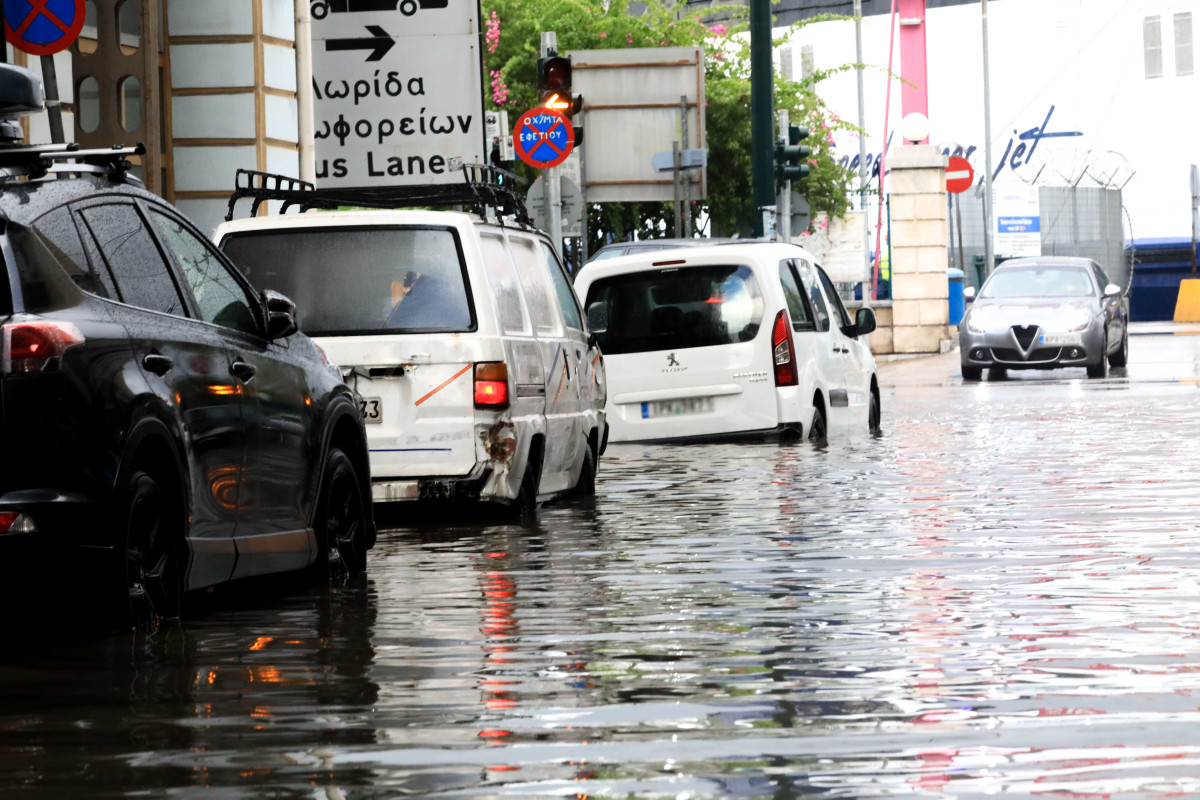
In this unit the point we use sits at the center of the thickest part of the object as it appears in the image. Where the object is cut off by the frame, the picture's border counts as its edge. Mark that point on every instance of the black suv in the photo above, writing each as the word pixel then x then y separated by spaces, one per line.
pixel 164 427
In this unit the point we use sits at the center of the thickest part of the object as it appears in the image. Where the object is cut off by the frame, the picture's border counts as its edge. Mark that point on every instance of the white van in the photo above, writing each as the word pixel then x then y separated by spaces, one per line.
pixel 462 337
pixel 729 341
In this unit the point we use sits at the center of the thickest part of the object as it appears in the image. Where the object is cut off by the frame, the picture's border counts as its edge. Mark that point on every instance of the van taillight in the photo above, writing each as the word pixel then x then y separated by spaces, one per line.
pixel 783 351
pixel 33 345
pixel 491 385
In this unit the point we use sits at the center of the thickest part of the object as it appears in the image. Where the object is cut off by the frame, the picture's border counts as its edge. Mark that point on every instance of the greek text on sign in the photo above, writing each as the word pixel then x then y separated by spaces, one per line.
pixel 543 138
pixel 397 91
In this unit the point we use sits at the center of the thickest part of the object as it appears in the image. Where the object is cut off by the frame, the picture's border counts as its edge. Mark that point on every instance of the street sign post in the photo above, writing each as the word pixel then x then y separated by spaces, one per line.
pixel 396 93
pixel 543 138
pixel 43 28
pixel 694 158
pixel 572 206
pixel 959 175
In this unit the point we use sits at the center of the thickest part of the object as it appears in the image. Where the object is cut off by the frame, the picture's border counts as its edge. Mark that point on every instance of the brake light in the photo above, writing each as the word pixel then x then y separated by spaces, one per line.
pixel 783 351
pixel 16 522
pixel 491 385
pixel 34 345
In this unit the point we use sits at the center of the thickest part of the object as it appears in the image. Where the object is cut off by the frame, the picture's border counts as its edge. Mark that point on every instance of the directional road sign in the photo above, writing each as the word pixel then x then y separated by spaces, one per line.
pixel 43 27
pixel 543 138
pixel 959 175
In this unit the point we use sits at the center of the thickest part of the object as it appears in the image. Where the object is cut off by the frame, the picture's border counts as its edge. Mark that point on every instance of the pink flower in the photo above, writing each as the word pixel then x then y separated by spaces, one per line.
pixel 718 30
pixel 603 35
pixel 493 33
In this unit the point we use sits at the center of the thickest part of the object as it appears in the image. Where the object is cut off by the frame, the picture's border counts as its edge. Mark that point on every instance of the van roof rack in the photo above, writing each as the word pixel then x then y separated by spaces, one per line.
pixel 484 187
pixel 37 160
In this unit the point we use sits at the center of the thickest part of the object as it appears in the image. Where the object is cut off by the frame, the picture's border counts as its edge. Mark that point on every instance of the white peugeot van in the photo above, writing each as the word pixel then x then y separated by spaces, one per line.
pixel 730 341
pixel 461 334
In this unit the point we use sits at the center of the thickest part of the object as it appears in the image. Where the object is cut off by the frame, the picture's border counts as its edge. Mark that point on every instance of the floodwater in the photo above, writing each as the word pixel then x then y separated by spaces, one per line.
pixel 998 595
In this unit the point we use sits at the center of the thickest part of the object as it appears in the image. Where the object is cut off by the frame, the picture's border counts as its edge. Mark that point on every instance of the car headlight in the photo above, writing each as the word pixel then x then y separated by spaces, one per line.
pixel 1076 319
pixel 978 320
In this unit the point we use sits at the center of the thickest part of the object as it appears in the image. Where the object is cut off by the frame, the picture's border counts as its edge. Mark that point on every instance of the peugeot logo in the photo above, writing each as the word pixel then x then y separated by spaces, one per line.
pixel 672 361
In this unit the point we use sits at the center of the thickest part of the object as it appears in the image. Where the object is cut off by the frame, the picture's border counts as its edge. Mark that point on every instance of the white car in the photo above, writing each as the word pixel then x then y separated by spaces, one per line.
pixel 462 337
pixel 729 341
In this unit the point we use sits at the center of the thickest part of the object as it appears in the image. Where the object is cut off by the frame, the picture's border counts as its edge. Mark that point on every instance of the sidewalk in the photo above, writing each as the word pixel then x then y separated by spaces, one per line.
pixel 1164 328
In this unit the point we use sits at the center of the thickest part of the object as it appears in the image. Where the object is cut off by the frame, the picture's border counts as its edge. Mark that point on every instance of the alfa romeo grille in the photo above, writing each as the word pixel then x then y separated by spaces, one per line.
pixel 1025 334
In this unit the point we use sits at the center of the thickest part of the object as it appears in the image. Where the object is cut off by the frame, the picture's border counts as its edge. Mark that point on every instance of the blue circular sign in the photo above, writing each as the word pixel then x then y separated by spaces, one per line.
pixel 543 138
pixel 43 27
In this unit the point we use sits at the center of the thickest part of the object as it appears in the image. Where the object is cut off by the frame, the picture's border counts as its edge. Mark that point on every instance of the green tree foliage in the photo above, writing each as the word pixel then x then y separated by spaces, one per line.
pixel 512 37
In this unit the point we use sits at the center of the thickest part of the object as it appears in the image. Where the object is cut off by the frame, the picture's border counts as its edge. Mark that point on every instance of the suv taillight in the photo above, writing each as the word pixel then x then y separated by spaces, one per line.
pixel 491 385
pixel 34 345
pixel 783 351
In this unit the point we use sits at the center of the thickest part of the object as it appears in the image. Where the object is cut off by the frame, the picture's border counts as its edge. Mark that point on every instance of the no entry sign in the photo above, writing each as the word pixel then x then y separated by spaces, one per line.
pixel 543 138
pixel 959 175
pixel 43 27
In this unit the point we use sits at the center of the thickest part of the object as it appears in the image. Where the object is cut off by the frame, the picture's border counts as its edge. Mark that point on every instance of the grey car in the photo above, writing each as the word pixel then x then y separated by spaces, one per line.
pixel 1044 313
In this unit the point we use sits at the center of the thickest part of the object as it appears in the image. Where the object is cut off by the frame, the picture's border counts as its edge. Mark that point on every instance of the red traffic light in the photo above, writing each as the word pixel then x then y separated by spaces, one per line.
pixel 554 74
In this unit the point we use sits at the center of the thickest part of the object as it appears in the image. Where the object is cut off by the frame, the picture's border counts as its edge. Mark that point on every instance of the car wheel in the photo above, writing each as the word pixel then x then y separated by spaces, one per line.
pixel 525 505
pixel 152 582
pixel 341 519
pixel 818 432
pixel 1121 357
pixel 586 487
pixel 972 373
pixel 1100 368
pixel 874 417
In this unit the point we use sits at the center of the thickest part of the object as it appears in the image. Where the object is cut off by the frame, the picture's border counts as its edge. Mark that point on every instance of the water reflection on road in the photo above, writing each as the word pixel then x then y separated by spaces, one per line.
pixel 999 594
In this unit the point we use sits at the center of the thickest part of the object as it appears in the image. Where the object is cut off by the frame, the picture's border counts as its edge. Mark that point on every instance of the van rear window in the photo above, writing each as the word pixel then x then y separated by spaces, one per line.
pixel 366 279
pixel 675 309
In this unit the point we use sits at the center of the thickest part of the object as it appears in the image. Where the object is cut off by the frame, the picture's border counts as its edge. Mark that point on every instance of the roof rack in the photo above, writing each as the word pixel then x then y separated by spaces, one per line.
pixel 35 161
pixel 483 187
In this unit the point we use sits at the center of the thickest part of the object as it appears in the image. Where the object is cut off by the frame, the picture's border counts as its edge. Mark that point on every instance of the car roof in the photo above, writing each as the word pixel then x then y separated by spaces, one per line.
pixel 746 252
pixel 1047 261
pixel 663 244
pixel 25 201
pixel 362 217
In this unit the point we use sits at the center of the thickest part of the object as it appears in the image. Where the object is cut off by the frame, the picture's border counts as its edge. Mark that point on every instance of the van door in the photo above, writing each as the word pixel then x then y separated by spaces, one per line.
pixel 559 360
pixel 831 350
pixel 586 369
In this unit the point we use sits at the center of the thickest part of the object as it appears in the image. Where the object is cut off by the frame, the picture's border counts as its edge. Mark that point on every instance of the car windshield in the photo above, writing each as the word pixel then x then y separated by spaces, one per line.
pixel 674 309
pixel 1039 281
pixel 365 279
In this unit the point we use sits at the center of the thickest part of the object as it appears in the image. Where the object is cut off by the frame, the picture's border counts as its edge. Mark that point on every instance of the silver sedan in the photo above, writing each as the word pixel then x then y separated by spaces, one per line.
pixel 1044 313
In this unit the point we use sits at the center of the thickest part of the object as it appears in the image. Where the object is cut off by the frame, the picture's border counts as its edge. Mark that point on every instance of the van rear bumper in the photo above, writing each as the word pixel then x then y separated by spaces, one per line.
pixel 784 432
pixel 431 490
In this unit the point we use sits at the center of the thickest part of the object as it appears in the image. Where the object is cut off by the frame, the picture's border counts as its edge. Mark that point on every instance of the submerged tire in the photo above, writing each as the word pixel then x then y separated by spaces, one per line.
pixel 972 373
pixel 149 555
pixel 1100 368
pixel 1121 357
pixel 341 524
pixel 874 414
pixel 818 431
pixel 586 486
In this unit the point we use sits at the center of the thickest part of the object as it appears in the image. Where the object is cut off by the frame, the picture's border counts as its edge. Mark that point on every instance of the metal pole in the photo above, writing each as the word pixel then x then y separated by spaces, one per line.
pixel 584 245
pixel 784 203
pixel 762 93
pixel 553 176
pixel 863 175
pixel 53 106
pixel 676 173
pixel 686 211
pixel 4 47
pixel 962 264
pixel 304 92
pixel 989 254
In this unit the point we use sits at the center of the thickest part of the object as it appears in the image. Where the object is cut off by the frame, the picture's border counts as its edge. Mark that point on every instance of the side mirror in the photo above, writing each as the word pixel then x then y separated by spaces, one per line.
pixel 281 315
pixel 597 318
pixel 969 294
pixel 1112 290
pixel 864 321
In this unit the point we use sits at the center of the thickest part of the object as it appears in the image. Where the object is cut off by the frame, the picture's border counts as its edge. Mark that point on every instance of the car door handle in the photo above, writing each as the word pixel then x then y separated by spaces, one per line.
pixel 242 370
pixel 158 364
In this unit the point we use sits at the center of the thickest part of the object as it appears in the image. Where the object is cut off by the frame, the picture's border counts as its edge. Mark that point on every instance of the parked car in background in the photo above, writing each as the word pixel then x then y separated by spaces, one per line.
pixel 463 337
pixel 729 341
pixel 165 428
pixel 1045 312
pixel 617 249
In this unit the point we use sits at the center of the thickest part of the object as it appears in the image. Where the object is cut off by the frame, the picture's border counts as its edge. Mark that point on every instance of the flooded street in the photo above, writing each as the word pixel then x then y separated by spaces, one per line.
pixel 998 595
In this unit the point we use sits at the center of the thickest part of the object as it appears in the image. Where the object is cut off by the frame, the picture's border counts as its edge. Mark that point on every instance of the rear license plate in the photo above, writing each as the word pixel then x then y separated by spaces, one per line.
pixel 372 409
pixel 674 408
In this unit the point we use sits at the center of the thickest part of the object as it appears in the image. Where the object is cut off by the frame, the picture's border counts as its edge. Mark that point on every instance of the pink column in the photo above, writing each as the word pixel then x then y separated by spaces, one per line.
pixel 912 58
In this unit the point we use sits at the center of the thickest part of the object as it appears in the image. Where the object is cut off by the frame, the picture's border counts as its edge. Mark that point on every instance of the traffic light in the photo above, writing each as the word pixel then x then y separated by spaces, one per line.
pixel 554 85
pixel 790 156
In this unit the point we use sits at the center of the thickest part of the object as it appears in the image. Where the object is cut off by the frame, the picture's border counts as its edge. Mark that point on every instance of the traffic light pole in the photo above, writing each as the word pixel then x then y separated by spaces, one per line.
pixel 552 176
pixel 762 94
pixel 784 202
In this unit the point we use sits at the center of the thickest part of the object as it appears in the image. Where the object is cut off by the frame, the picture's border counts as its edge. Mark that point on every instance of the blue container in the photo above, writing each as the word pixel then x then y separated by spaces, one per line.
pixel 1158 265
pixel 957 304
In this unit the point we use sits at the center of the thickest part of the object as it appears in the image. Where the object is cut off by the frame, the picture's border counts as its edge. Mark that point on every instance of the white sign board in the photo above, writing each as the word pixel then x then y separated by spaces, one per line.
pixel 397 93
pixel 631 110
pixel 572 206
pixel 1018 221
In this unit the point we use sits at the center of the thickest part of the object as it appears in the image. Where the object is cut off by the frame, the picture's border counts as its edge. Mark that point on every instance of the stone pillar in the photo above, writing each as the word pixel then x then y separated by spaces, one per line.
pixel 917 175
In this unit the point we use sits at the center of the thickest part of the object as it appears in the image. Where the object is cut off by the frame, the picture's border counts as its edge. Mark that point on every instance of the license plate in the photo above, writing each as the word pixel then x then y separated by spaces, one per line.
pixel 1060 338
pixel 675 408
pixel 372 409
